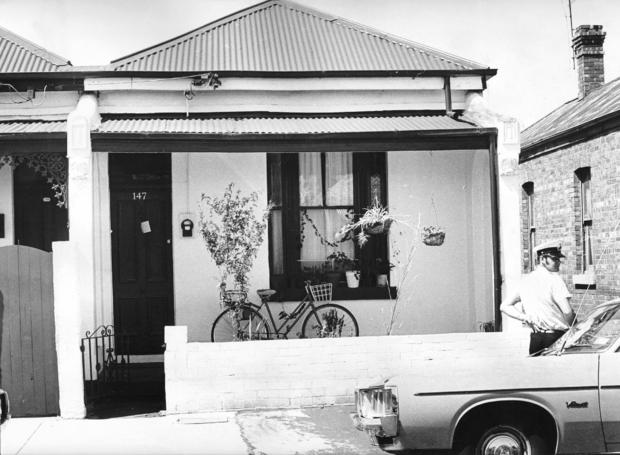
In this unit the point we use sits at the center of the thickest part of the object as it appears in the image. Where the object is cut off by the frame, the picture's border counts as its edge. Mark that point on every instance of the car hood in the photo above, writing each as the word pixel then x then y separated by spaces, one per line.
pixel 494 374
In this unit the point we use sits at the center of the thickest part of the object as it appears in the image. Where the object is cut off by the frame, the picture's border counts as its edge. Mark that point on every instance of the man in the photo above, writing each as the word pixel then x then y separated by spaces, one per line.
pixel 544 299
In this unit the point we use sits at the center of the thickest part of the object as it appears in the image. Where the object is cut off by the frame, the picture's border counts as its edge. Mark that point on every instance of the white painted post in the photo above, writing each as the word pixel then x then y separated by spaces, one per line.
pixel 68 324
pixel 80 122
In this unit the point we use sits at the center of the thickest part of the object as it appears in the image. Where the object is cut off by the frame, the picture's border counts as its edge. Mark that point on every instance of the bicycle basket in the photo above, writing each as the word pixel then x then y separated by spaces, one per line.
pixel 321 292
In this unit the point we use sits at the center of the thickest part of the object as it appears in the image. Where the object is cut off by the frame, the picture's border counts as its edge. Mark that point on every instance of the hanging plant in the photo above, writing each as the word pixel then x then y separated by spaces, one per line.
pixel 433 235
pixel 375 220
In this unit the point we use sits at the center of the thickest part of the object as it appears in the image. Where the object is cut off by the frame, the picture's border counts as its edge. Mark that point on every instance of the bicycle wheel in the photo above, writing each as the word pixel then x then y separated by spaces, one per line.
pixel 239 324
pixel 329 321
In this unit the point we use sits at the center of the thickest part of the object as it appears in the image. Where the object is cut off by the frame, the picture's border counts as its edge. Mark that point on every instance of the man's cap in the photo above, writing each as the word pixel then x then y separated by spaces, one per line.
pixel 551 248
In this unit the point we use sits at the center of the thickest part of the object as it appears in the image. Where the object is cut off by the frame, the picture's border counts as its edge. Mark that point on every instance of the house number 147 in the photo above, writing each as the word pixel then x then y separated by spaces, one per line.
pixel 139 196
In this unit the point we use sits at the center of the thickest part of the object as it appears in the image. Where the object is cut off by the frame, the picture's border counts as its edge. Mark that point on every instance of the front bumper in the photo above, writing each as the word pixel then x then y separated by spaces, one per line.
pixel 381 430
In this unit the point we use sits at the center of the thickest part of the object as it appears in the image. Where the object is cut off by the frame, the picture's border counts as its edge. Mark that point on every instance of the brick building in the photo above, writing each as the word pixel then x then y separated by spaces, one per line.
pixel 569 167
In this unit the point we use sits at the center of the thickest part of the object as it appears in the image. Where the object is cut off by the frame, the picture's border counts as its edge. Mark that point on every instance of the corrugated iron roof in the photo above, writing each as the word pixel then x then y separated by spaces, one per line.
pixel 282 125
pixel 282 36
pixel 598 104
pixel 14 127
pixel 18 55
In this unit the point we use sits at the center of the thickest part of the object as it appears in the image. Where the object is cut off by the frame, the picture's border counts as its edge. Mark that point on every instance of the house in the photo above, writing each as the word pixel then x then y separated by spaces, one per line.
pixel 317 114
pixel 569 175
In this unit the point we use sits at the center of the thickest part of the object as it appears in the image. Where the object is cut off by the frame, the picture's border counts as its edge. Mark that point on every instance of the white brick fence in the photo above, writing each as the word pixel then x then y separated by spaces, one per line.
pixel 294 373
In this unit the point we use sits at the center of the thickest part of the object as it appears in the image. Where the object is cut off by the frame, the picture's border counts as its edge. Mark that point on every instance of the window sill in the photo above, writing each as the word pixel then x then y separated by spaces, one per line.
pixel 587 279
pixel 340 293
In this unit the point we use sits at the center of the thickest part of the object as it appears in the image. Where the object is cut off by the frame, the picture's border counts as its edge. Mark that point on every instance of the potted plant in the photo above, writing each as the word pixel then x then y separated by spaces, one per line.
pixel 382 270
pixel 336 265
pixel 352 273
pixel 233 229
pixel 433 235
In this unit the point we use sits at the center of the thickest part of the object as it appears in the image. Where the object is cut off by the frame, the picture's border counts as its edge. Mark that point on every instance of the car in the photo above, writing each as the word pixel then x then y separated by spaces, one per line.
pixel 563 400
pixel 5 408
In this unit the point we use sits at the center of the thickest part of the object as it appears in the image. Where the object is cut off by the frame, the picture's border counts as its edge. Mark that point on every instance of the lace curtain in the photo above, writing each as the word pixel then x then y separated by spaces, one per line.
pixel 324 209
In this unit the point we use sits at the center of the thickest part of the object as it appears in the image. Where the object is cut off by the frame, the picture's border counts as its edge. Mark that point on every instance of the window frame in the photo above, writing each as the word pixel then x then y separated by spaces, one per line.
pixel 289 284
pixel 584 178
pixel 530 226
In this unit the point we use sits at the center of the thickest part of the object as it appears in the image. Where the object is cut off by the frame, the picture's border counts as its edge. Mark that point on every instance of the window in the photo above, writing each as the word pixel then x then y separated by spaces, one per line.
pixel 314 195
pixel 530 228
pixel 585 217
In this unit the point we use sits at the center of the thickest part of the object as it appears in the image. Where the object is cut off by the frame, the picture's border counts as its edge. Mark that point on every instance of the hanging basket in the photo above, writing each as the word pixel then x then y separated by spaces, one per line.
pixel 379 227
pixel 434 239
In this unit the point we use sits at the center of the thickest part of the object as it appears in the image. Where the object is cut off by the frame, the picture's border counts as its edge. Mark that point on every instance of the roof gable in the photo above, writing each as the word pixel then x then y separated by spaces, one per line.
pixel 599 104
pixel 282 36
pixel 22 56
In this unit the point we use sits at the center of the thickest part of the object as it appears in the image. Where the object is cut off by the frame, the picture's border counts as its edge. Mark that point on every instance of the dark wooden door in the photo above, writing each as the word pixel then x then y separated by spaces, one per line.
pixel 39 220
pixel 142 260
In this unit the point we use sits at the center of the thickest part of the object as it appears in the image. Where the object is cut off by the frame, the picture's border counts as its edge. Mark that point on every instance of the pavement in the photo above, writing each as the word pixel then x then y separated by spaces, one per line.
pixel 316 430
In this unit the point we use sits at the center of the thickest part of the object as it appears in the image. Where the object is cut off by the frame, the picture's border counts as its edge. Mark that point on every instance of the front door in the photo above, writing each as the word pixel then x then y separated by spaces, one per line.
pixel 39 220
pixel 140 201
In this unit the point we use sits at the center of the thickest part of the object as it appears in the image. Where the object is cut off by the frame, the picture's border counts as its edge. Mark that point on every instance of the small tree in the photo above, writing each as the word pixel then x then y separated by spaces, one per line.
pixel 233 229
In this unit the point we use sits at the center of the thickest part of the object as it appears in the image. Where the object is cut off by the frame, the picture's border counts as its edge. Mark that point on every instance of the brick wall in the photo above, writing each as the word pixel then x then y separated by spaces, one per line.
pixel 308 372
pixel 556 199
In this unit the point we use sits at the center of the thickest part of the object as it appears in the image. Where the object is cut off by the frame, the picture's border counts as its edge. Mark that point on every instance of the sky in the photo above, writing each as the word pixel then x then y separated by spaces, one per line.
pixel 527 41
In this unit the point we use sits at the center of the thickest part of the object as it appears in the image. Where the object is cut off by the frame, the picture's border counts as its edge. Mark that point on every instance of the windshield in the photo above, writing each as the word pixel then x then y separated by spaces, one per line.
pixel 595 333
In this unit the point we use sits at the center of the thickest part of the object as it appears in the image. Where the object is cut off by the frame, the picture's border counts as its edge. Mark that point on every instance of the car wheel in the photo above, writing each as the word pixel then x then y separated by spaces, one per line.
pixel 510 439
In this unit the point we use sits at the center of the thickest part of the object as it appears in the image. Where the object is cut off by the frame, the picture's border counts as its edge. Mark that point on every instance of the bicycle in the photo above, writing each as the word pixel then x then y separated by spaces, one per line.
pixel 241 320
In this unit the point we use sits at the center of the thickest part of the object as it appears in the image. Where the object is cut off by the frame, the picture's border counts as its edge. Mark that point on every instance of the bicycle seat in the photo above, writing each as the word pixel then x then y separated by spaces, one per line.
pixel 263 293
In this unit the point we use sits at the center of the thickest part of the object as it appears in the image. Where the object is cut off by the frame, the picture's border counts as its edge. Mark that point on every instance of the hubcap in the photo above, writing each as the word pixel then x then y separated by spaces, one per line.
pixel 503 444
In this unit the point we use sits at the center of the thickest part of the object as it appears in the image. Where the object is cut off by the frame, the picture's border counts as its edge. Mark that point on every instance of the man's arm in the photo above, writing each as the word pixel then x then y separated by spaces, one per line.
pixel 509 308
pixel 565 308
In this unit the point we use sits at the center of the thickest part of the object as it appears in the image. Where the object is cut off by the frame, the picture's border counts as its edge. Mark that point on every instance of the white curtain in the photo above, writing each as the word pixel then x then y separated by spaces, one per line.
pixel 310 182
pixel 320 224
pixel 339 178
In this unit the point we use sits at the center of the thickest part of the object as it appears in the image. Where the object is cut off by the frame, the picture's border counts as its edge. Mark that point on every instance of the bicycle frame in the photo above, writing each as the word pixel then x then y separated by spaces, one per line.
pixel 300 310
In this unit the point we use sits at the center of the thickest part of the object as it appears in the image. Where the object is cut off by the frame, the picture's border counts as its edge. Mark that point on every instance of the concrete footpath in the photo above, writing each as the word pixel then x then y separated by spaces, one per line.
pixel 326 430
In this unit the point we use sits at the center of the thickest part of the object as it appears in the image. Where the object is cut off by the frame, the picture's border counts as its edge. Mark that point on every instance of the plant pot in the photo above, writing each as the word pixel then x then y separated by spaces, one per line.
pixel 353 278
pixel 382 280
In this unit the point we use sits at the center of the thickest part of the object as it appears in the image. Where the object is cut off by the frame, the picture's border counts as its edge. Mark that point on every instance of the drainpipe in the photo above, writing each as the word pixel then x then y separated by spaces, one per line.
pixel 448 96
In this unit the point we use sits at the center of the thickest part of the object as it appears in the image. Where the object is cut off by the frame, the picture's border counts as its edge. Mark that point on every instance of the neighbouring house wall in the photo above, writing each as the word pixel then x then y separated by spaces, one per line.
pixel 6 204
pixel 293 373
pixel 557 217
pixel 450 287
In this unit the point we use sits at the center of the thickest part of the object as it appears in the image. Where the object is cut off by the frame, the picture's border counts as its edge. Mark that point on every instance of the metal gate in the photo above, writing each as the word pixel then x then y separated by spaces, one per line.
pixel 106 363
pixel 28 363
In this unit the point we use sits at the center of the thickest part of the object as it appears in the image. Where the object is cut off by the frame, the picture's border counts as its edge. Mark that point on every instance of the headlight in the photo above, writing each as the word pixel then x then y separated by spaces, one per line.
pixel 377 402
pixel 377 410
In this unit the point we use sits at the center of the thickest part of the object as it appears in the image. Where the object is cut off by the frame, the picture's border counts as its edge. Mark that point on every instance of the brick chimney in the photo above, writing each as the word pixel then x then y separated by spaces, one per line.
pixel 588 50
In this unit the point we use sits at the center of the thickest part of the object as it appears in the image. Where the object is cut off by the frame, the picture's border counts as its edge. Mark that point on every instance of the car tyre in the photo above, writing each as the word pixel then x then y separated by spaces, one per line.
pixel 512 438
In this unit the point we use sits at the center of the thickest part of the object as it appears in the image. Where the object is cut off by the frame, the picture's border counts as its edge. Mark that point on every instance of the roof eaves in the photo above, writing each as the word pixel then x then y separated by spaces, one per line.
pixel 556 142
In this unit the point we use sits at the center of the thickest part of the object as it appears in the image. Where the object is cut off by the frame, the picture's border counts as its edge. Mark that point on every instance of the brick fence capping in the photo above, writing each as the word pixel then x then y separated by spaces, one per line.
pixel 307 372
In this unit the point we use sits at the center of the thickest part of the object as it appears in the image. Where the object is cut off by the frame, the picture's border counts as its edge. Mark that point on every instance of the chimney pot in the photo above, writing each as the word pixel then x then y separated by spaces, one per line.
pixel 588 50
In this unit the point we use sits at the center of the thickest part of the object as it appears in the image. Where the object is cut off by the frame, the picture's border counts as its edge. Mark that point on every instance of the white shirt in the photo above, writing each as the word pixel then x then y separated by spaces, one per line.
pixel 540 291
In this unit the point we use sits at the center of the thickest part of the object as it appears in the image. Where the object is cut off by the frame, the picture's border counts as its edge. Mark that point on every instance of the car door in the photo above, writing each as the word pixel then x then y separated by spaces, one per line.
pixel 609 386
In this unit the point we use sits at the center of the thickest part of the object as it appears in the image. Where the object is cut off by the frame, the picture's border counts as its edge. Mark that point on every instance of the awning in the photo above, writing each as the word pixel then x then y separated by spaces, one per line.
pixel 37 127
pixel 283 125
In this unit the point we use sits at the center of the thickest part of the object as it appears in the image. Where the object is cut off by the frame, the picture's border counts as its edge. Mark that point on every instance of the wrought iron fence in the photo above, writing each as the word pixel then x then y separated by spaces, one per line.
pixel 105 362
